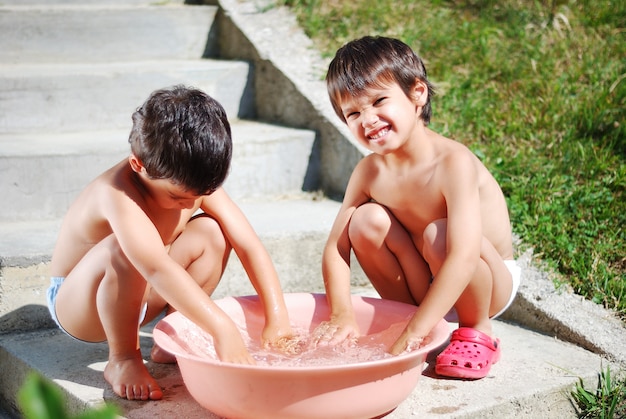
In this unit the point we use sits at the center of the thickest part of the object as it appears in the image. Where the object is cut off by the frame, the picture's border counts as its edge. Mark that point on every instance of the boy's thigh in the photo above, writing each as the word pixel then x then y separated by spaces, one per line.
pixel 84 279
pixel 76 300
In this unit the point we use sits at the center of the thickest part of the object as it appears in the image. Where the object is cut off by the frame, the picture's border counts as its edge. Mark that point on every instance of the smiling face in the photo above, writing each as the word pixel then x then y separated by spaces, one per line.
pixel 373 62
pixel 383 117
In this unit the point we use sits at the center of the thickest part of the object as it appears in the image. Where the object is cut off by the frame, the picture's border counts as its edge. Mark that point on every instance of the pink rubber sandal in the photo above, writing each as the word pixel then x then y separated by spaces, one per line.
pixel 470 354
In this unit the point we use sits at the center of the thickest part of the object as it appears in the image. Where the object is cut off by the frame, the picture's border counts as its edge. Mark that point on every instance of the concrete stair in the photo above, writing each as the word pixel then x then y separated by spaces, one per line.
pixel 71 74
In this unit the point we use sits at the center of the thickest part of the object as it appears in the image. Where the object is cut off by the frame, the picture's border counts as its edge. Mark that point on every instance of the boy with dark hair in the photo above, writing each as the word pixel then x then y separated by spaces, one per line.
pixel 426 220
pixel 133 243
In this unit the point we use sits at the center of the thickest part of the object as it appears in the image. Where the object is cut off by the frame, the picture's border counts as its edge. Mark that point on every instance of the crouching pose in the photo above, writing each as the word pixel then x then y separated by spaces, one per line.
pixel 154 233
pixel 426 220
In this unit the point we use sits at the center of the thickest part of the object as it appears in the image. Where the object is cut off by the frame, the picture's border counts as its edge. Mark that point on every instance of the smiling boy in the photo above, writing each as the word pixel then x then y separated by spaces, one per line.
pixel 426 220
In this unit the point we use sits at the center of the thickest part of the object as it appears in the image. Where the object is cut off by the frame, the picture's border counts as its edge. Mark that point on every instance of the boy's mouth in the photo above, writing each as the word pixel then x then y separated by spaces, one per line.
pixel 378 134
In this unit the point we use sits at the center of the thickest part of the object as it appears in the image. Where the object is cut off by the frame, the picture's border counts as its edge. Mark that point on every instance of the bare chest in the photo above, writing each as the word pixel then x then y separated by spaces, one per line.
pixel 414 200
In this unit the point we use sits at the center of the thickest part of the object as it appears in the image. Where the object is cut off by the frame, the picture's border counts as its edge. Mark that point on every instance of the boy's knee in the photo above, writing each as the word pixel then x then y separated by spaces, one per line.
pixel 368 222
pixel 204 224
pixel 207 230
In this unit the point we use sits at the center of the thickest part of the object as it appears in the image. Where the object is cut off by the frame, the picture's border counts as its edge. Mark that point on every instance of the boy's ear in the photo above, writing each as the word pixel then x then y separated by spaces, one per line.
pixel 420 93
pixel 136 164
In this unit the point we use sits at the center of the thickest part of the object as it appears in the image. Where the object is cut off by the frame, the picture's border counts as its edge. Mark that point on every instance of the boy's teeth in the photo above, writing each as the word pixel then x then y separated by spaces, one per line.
pixel 379 134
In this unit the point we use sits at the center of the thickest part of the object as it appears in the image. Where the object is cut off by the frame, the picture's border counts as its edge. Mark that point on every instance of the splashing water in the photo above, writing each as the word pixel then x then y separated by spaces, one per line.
pixel 302 351
pixel 311 355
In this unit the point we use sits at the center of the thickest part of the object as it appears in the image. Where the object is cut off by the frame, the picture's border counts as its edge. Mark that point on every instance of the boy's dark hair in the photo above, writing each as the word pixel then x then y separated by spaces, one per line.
pixel 370 62
pixel 183 135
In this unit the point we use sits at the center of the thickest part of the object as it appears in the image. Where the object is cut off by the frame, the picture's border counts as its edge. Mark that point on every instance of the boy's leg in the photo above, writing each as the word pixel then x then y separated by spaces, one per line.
pixel 203 251
pixel 388 255
pixel 472 349
pixel 489 288
pixel 101 300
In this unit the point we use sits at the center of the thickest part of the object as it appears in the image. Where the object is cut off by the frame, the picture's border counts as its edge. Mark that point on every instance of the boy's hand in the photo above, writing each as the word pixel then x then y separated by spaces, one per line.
pixel 407 343
pixel 335 331
pixel 290 345
pixel 281 339
pixel 230 348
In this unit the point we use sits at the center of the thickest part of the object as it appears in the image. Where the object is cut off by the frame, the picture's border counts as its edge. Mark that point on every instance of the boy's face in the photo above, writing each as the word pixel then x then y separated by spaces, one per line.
pixel 169 195
pixel 173 196
pixel 382 118
pixel 165 193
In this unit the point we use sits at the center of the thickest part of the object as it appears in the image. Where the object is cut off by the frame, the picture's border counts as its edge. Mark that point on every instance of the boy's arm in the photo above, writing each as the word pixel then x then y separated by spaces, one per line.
pixel 460 187
pixel 336 266
pixel 255 260
pixel 143 247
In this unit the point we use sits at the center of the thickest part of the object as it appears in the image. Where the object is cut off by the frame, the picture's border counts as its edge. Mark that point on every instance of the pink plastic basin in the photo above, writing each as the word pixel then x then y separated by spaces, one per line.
pixel 355 390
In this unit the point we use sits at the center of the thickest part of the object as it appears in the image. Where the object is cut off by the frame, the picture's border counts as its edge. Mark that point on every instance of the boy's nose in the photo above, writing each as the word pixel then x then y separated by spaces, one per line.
pixel 187 203
pixel 368 118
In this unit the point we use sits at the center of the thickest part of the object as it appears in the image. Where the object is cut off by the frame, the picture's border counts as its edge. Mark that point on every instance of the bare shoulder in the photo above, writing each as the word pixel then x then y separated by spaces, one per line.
pixel 363 177
pixel 458 158
pixel 454 150
pixel 218 201
pixel 111 189
pixel 85 223
pixel 113 186
pixel 223 208
pixel 369 167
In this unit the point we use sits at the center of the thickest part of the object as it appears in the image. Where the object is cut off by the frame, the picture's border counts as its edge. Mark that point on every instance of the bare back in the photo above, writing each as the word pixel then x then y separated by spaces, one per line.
pixel 86 223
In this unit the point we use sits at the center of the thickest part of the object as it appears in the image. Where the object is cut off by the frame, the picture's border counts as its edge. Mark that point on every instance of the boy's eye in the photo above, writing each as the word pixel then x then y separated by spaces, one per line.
pixel 351 115
pixel 379 101
pixel 179 198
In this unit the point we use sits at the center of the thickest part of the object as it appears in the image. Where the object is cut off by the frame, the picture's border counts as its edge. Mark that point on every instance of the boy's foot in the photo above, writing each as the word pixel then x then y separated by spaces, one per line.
pixel 161 356
pixel 469 355
pixel 131 380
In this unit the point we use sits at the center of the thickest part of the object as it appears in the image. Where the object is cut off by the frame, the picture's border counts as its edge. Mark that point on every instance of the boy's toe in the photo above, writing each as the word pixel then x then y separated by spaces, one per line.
pixel 156 394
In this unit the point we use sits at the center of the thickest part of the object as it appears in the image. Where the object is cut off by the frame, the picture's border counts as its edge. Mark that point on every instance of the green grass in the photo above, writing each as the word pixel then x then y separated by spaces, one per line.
pixel 607 401
pixel 538 91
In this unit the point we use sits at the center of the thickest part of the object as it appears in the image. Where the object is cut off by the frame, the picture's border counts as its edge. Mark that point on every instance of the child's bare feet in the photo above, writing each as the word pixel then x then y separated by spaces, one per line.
pixel 130 378
pixel 161 356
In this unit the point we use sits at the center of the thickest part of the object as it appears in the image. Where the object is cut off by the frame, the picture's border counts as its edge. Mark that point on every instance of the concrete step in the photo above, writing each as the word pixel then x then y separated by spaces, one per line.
pixel 103 32
pixel 270 160
pixel 533 378
pixel 58 97
pixel 42 174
